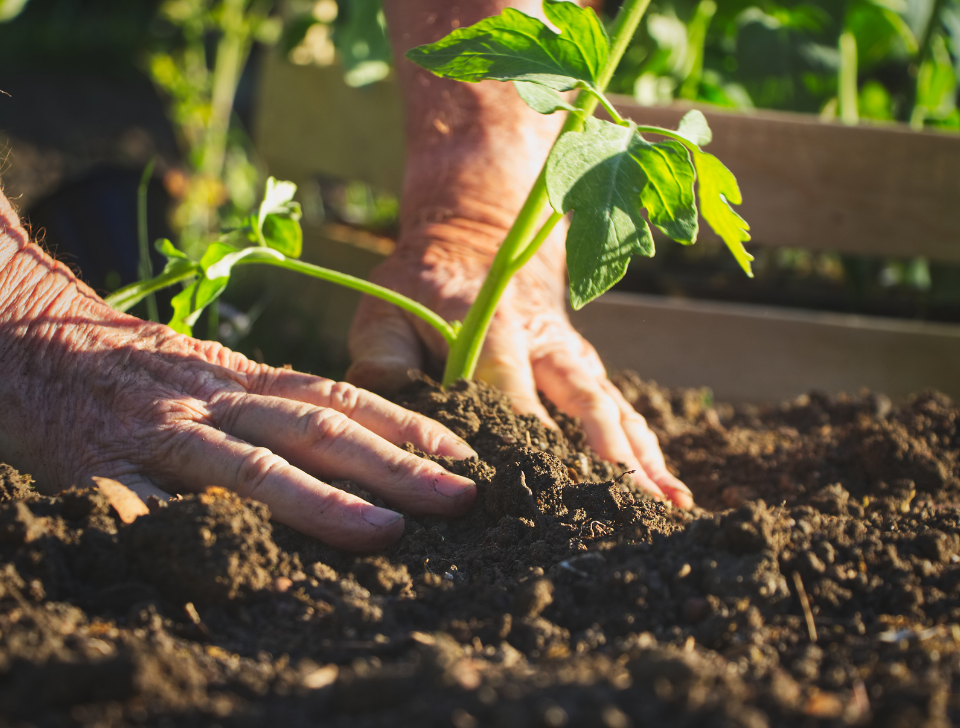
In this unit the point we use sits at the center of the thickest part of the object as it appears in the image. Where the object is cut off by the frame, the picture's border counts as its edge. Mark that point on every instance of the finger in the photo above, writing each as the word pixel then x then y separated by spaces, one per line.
pixel 384 347
pixel 647 448
pixel 505 363
pixel 143 487
pixel 388 420
pixel 206 456
pixel 322 440
pixel 577 391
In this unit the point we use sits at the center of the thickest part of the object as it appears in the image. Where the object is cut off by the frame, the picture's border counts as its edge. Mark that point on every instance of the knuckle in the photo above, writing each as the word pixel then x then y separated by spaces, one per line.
pixel 255 469
pixel 592 402
pixel 344 397
pixel 322 426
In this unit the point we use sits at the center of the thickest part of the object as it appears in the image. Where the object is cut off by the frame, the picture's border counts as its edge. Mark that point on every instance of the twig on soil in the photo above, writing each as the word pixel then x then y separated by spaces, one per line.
pixel 531 500
pixel 805 604
pixel 623 475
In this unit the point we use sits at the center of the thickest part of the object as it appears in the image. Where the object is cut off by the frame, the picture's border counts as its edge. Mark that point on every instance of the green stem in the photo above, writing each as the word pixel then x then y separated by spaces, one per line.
pixel 358 284
pixel 929 30
pixel 524 238
pixel 232 50
pixel 129 296
pixel 608 107
pixel 847 94
pixel 696 40
pixel 144 265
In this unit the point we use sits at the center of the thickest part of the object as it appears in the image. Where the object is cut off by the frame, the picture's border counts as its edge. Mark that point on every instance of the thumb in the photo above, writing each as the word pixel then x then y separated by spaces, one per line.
pixel 384 347
pixel 505 363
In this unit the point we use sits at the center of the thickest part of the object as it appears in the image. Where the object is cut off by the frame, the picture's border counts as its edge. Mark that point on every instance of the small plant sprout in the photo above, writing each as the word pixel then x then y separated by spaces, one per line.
pixel 603 172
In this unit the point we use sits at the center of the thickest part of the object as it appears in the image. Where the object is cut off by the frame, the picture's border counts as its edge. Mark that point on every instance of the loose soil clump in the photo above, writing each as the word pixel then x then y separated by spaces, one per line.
pixel 816 583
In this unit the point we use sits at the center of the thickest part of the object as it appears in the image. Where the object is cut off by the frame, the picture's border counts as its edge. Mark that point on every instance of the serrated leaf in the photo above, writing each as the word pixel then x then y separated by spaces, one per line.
pixel 694 127
pixel 541 99
pixel 718 190
pixel 606 174
pixel 513 46
pixel 668 195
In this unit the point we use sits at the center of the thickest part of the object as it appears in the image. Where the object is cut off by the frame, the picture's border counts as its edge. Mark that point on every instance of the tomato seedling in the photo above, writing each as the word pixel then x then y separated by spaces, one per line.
pixel 604 172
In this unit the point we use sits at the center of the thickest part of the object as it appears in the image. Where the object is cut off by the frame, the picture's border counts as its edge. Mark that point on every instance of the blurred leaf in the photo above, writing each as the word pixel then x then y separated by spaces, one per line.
pixel 361 39
pixel 880 32
pixel 936 86
pixel 875 101
pixel 9 9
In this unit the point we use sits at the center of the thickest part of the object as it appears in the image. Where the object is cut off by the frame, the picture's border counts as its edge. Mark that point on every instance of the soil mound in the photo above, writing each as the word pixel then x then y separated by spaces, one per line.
pixel 818 583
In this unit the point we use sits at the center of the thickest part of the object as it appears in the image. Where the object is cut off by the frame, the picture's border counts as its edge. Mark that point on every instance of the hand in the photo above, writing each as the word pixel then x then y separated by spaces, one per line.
pixel 473 152
pixel 531 344
pixel 87 391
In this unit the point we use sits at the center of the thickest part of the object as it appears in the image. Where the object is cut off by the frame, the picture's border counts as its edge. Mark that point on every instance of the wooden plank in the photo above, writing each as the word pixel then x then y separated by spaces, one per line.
pixel 873 190
pixel 754 353
pixel 308 121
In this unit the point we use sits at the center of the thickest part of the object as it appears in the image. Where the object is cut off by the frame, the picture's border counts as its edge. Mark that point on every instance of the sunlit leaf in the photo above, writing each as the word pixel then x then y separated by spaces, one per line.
pixel 541 99
pixel 694 126
pixel 718 190
pixel 606 175
pixel 278 220
pixel 513 46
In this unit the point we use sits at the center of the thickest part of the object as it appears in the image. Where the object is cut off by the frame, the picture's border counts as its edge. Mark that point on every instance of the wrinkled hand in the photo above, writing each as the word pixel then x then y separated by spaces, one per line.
pixel 531 344
pixel 86 392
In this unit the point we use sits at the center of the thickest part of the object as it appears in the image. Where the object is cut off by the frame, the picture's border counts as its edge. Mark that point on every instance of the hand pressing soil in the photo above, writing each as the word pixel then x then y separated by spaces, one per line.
pixel 818 585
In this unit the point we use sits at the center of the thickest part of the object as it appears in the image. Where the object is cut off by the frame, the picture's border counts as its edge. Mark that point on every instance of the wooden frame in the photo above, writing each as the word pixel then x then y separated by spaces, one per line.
pixel 881 190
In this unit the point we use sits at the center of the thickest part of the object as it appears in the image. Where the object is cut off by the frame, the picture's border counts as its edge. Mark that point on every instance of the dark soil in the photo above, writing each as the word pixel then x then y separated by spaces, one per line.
pixel 563 599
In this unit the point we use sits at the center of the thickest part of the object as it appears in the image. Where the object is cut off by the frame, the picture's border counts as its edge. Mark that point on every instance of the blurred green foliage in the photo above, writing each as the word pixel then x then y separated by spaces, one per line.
pixel 853 59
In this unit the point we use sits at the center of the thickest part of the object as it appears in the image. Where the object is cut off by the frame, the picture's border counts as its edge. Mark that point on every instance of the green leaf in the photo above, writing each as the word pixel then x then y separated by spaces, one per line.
pixel 694 127
pixel 168 249
pixel 513 46
pixel 221 266
pixel 190 302
pixel 278 221
pixel 718 189
pixel 284 234
pixel 541 99
pixel 668 195
pixel 605 174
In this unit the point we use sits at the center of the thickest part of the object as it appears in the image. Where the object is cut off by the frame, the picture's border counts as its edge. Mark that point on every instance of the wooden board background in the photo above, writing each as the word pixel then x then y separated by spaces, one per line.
pixel 753 353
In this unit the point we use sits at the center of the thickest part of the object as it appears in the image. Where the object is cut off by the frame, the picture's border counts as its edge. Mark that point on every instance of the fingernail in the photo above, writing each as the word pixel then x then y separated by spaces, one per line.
pixel 452 486
pixel 454 447
pixel 379 517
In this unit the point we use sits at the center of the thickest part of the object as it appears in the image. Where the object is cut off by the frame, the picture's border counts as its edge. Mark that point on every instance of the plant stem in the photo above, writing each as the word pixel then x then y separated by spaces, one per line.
pixel 232 50
pixel 524 239
pixel 358 284
pixel 144 265
pixel 696 40
pixel 929 30
pixel 847 93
